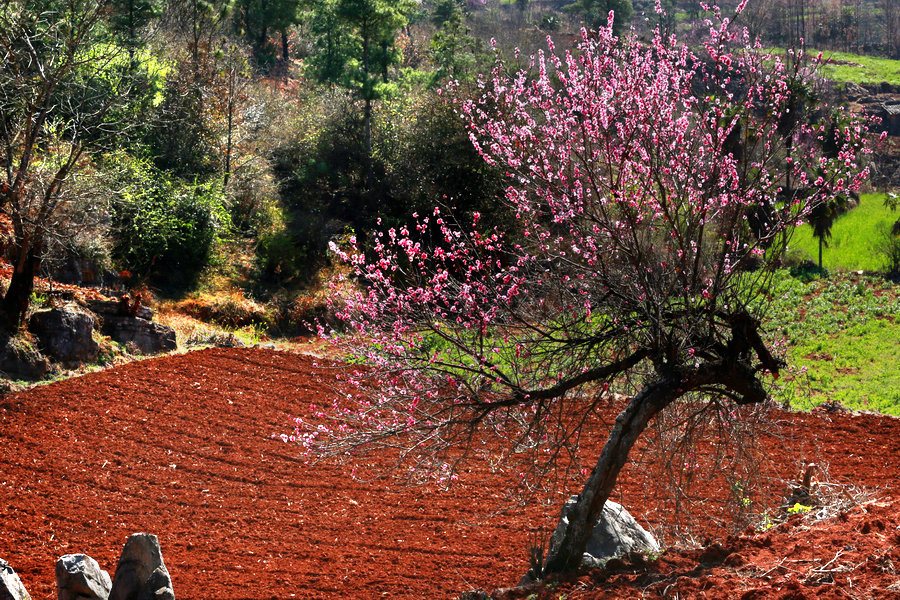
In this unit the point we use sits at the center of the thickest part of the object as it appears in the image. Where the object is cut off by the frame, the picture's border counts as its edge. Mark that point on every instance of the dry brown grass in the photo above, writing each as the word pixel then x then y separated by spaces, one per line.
pixel 230 309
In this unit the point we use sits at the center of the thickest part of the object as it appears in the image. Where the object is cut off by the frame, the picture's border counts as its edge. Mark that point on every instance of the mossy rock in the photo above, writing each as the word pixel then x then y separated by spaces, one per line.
pixel 19 359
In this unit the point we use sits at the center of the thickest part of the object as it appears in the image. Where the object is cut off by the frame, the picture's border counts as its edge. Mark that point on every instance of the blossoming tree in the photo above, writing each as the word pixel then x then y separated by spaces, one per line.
pixel 649 183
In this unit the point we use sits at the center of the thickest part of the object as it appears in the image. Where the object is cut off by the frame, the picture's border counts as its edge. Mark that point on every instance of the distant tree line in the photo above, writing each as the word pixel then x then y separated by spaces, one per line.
pixel 860 26
pixel 141 135
pixel 146 135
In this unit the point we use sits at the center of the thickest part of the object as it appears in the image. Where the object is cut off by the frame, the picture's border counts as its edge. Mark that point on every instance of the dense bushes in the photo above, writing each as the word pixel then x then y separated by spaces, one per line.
pixel 422 157
pixel 163 228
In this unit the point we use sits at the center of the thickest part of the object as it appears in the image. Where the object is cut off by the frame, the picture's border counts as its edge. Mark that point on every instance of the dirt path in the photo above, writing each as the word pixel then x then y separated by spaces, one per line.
pixel 181 447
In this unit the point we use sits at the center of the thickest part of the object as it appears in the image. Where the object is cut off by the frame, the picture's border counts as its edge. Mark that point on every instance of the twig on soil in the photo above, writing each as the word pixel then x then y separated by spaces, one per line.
pixel 824 568
pixel 780 565
pixel 464 580
pixel 803 560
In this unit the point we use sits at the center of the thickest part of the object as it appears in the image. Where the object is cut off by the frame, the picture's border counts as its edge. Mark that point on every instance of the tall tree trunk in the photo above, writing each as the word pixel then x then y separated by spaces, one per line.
pixel 230 130
pixel 263 41
pixel 368 91
pixel 195 42
pixel 367 124
pixel 285 47
pixel 18 296
pixel 565 555
pixel 821 243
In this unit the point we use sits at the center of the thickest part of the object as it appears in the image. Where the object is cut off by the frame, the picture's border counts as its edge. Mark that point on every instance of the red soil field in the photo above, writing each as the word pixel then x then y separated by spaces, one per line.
pixel 181 447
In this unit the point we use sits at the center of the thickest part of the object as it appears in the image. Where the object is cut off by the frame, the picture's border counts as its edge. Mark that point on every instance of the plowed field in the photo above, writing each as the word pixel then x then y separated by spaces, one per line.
pixel 182 447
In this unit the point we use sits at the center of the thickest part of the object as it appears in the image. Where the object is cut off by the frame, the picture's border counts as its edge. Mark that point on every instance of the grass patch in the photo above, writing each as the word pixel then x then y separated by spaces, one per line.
pixel 841 336
pixel 845 67
pixel 856 68
pixel 858 368
pixel 192 332
pixel 856 239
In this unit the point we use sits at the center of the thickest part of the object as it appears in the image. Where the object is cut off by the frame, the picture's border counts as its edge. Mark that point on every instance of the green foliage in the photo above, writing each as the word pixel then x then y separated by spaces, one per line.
pixel 549 23
pixel 357 44
pixel 856 237
pixel 596 12
pixel 180 137
pixel 256 20
pixel 890 251
pixel 130 18
pixel 332 44
pixel 890 246
pixel 453 49
pixel 137 75
pixel 437 164
pixel 281 258
pixel 807 271
pixel 892 200
pixel 253 202
pixel 324 187
pixel 102 88
pixel 164 229
pixel 422 156
pixel 446 11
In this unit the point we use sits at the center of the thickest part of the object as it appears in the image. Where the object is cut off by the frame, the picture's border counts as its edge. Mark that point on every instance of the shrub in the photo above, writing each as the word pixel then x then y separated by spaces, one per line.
pixel 231 309
pixel 164 229
pixel 890 251
pixel 807 271
pixel 422 155
pixel 280 258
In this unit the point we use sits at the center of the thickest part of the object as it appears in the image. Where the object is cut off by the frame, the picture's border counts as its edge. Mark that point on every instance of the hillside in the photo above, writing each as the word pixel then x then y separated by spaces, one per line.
pixel 182 447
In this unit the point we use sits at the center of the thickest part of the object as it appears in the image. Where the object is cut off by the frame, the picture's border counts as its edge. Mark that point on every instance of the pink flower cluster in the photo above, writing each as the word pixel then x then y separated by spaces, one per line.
pixel 649 181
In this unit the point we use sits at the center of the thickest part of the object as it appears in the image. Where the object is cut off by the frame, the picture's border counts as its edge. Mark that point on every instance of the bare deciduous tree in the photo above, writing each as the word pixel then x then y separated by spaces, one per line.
pixel 63 90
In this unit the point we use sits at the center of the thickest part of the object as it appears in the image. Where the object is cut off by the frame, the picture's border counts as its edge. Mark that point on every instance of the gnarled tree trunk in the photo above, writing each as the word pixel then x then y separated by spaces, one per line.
pixel 18 295
pixel 733 376
pixel 631 422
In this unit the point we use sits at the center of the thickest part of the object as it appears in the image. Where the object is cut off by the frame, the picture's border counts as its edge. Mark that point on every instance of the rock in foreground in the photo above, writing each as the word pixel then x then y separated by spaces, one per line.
pixel 141 573
pixel 79 577
pixel 11 587
pixel 616 534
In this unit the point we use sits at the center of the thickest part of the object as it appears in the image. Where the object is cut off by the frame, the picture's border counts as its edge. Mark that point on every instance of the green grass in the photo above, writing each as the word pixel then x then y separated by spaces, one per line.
pixel 843 341
pixel 863 70
pixel 843 67
pixel 856 238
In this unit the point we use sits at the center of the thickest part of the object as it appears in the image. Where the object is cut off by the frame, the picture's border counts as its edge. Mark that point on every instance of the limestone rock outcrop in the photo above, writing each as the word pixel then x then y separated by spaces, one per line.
pixel 616 533
pixel 65 334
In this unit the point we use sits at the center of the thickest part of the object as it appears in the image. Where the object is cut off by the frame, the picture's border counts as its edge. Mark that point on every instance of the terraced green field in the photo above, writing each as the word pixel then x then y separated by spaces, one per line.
pixel 842 340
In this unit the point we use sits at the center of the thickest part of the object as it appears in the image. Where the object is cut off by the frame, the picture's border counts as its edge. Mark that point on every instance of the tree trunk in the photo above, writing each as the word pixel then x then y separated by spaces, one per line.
pixel 821 243
pixel 285 47
pixel 367 124
pixel 230 127
pixel 565 555
pixel 195 42
pixel 18 296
